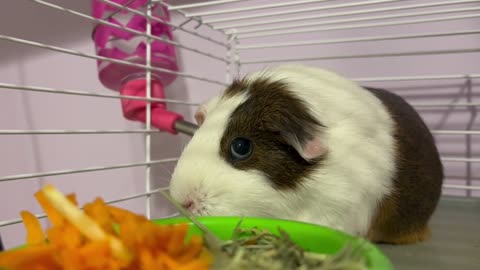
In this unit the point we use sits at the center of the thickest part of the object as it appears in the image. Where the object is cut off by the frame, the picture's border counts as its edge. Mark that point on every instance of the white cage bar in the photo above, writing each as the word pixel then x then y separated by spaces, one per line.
pixel 341 14
pixel 293 11
pixel 356 20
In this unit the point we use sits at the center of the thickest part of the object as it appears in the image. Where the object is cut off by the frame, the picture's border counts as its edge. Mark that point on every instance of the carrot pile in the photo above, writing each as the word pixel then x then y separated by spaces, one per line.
pixel 101 237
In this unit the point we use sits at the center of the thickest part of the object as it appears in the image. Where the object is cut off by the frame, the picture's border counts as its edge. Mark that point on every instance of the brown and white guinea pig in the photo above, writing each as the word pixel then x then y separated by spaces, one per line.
pixel 306 144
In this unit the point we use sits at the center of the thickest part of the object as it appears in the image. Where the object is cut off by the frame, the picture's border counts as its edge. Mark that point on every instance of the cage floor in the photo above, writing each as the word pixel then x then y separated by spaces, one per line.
pixel 455 242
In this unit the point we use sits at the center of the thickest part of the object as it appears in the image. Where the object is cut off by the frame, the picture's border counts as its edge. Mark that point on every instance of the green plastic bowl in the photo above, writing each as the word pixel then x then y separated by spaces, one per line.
pixel 308 236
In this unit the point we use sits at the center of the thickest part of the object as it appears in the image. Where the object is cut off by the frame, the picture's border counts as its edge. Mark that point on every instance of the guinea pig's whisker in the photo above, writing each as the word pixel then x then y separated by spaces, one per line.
pixel 212 240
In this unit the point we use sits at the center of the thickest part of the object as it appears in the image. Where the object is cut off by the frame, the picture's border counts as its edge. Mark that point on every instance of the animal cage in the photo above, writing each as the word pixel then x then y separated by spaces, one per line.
pixel 61 125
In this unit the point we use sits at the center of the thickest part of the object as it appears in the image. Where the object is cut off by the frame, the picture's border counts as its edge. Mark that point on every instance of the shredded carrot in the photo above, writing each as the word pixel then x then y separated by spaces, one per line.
pixel 89 240
pixel 193 265
pixel 34 230
pixel 168 261
pixel 120 215
pixel 176 244
pixel 192 251
pixel 17 258
pixel 100 214
pixel 147 261
pixel 72 198
pixel 55 218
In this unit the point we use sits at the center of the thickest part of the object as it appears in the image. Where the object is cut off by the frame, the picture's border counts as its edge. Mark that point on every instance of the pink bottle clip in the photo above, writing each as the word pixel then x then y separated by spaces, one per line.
pixel 119 44
pixel 136 109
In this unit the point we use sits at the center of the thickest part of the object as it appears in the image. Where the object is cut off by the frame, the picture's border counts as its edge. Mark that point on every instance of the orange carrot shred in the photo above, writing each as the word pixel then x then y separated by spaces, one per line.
pixel 98 211
pixel 120 215
pixel 54 217
pixel 193 249
pixel 176 242
pixel 71 246
pixel 194 265
pixel 74 238
pixel 147 261
pixel 168 261
pixel 34 229
pixel 12 259
pixel 73 198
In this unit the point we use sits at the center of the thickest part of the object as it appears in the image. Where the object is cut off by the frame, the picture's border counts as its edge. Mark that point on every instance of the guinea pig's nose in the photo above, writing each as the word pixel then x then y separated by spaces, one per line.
pixel 188 205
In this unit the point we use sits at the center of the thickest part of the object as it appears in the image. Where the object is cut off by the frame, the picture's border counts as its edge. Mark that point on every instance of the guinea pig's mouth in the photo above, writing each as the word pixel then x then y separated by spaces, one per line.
pixel 194 206
pixel 202 204
pixel 199 209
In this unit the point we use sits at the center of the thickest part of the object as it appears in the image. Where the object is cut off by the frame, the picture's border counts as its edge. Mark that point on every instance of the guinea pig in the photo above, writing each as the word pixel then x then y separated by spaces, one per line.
pixel 306 144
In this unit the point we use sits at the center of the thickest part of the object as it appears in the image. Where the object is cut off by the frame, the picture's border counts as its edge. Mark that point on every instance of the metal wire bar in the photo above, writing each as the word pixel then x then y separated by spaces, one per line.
pixel 352 40
pixel 92 169
pixel 418 78
pixel 166 22
pixel 176 214
pixel 181 102
pixel 143 131
pixel 293 11
pixel 461 187
pixel 89 94
pixel 358 26
pixel 183 13
pixel 96 57
pixel 355 20
pixel 110 15
pixel 136 196
pixel 457 159
pixel 455 104
pixel 204 4
pixel 461 177
pixel 468 137
pixel 252 8
pixel 363 56
pixel 74 132
pixel 456 132
pixel 127 198
pixel 90 18
pixel 379 79
pixel 18 220
pixel 339 14
pixel 148 122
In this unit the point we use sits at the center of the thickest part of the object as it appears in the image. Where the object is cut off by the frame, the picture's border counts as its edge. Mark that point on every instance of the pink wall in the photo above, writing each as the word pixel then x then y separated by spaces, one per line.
pixel 33 66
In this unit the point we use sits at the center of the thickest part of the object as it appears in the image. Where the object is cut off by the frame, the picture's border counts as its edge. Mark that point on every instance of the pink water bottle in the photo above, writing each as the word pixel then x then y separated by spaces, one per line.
pixel 123 45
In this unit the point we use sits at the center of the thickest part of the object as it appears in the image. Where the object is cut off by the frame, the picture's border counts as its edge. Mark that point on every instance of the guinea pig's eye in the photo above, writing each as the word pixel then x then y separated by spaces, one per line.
pixel 241 148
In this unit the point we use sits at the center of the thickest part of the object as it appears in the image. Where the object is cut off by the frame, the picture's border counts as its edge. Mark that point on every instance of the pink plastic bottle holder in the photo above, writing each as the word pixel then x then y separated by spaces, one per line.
pixel 111 42
pixel 119 44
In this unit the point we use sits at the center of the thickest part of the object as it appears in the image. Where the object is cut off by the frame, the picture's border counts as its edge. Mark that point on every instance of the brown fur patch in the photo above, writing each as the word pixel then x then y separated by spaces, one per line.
pixel 236 87
pixel 403 217
pixel 270 117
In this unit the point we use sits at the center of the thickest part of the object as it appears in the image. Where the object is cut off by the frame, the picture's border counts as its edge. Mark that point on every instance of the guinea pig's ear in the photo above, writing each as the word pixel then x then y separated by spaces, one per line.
pixel 309 147
pixel 300 131
pixel 201 114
